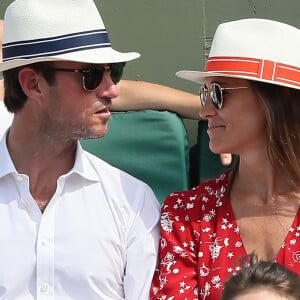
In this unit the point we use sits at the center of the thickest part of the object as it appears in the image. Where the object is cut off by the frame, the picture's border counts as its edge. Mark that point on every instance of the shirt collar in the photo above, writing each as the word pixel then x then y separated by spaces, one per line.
pixel 7 165
pixel 82 165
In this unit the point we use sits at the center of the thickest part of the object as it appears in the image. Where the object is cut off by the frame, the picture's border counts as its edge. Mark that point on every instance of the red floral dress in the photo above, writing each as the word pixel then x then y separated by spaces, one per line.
pixel 200 243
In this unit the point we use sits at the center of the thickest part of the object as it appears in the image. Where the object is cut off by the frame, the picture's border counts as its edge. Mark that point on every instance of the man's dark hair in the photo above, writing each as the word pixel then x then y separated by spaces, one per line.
pixel 14 96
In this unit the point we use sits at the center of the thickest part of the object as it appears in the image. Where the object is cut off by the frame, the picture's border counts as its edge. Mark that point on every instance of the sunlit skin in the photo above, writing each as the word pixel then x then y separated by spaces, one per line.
pixel 70 112
pixel 43 137
pixel 261 294
pixel 240 125
pixel 261 197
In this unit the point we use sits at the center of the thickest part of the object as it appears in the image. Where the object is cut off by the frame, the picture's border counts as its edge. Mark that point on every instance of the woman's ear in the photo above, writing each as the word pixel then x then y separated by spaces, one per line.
pixel 30 81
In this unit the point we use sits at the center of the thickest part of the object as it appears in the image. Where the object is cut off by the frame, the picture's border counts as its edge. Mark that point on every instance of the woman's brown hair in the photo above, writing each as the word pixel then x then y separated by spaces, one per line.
pixel 282 109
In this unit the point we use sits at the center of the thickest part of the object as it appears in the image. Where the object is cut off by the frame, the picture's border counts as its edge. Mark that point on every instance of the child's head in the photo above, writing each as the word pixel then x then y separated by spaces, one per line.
pixel 262 280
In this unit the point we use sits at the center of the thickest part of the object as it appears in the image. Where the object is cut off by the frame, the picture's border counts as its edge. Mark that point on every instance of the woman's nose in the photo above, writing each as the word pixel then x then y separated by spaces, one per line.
pixel 208 110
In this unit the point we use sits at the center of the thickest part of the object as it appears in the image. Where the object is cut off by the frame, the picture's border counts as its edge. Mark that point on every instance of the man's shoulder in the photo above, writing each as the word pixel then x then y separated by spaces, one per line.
pixel 107 169
pixel 126 195
pixel 118 182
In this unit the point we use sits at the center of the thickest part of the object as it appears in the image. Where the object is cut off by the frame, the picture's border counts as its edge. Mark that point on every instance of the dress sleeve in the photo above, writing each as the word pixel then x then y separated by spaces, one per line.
pixel 142 247
pixel 176 276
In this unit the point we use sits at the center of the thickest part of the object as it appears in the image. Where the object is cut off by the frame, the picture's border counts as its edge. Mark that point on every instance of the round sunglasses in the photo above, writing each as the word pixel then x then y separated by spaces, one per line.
pixel 92 76
pixel 216 93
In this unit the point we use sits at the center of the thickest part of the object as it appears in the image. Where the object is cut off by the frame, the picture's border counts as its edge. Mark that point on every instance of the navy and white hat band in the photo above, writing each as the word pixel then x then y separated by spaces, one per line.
pixel 56 45
pixel 56 30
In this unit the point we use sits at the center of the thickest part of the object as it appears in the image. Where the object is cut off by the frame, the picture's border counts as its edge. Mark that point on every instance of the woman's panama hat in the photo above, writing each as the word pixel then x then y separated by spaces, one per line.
pixel 253 49
pixel 51 30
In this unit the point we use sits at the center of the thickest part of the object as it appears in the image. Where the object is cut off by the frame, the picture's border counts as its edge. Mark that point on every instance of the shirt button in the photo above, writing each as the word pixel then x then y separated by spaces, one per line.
pixel 44 287
pixel 45 242
pixel 19 178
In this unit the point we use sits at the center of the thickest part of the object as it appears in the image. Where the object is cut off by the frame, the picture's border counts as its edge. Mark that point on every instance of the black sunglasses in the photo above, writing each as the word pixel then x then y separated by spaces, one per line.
pixel 216 93
pixel 92 76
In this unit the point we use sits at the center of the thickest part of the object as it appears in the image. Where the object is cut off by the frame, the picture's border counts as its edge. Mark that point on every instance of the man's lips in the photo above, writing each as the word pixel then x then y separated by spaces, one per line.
pixel 103 110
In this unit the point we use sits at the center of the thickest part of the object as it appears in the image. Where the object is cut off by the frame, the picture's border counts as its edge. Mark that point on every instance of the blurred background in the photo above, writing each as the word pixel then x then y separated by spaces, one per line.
pixel 173 35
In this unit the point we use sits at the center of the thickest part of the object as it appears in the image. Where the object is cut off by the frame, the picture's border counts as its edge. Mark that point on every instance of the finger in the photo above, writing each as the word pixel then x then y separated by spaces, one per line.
pixel 226 159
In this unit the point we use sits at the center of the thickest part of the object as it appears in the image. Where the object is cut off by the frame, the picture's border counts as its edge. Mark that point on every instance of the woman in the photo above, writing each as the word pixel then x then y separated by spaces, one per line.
pixel 251 99
pixel 262 280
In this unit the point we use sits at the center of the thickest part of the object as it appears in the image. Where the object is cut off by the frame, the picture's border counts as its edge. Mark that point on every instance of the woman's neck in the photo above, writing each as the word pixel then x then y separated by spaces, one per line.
pixel 257 175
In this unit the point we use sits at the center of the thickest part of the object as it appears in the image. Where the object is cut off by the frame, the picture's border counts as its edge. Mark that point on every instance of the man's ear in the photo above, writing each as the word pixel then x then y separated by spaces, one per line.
pixel 30 81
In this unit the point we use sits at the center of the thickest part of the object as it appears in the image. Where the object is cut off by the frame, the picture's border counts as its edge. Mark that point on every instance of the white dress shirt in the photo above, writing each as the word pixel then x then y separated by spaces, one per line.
pixel 5 118
pixel 97 238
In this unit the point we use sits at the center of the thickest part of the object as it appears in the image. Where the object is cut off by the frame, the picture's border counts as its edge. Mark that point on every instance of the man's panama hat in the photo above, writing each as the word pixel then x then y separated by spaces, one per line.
pixel 52 30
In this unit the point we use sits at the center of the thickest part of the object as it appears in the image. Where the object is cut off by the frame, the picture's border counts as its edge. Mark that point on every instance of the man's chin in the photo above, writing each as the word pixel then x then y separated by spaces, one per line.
pixel 95 134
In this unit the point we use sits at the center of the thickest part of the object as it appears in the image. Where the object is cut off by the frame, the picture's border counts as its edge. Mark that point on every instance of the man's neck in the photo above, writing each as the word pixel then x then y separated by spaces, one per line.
pixel 43 162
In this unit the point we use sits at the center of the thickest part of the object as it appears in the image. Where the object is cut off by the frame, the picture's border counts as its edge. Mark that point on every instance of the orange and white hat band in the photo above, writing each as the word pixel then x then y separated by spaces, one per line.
pixel 256 68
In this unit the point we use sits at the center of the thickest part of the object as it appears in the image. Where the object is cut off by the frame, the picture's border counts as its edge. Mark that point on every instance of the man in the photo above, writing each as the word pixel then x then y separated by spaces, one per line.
pixel 73 227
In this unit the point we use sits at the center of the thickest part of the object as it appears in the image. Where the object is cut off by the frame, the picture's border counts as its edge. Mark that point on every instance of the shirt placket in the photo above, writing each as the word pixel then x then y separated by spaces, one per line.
pixel 45 256
pixel 44 240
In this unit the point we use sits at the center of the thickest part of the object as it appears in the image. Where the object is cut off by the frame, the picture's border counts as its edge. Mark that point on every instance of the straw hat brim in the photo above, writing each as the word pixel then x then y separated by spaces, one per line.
pixel 199 77
pixel 91 56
